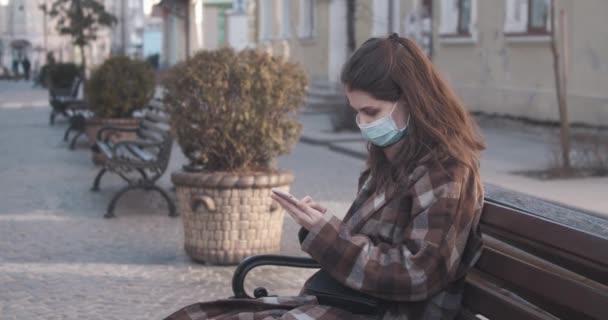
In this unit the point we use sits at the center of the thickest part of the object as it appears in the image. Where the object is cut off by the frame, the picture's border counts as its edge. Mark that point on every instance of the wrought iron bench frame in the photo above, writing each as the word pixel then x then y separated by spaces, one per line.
pixel 148 156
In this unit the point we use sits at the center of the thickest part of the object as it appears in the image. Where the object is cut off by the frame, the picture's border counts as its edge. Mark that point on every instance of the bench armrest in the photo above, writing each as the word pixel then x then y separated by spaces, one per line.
pixel 113 128
pixel 238 278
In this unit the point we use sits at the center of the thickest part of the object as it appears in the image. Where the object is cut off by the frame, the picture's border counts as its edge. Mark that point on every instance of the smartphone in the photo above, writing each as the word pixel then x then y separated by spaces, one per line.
pixel 285 195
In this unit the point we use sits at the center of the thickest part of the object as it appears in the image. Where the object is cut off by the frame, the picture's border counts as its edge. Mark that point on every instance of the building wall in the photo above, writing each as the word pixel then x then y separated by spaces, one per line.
pixel 312 53
pixel 129 29
pixel 498 74
pixel 211 27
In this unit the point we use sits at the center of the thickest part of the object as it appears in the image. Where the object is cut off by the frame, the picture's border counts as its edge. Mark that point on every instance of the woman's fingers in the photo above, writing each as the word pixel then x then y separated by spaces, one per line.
pixel 302 213
pixel 309 201
pixel 292 210
pixel 318 207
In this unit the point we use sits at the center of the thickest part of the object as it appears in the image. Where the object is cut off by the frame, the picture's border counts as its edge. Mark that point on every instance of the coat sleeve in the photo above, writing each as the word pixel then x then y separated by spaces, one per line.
pixel 424 262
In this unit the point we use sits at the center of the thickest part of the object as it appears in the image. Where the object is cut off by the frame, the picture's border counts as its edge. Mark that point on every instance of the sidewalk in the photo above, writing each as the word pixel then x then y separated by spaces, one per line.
pixel 508 150
pixel 20 94
pixel 59 259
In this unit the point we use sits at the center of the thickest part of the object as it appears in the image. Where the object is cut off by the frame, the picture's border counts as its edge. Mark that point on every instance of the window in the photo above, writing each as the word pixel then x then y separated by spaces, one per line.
pixel 527 17
pixel 307 19
pixel 457 18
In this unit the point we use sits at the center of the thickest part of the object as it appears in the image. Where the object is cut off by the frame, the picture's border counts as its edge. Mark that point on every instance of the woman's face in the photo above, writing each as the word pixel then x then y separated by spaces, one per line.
pixel 370 109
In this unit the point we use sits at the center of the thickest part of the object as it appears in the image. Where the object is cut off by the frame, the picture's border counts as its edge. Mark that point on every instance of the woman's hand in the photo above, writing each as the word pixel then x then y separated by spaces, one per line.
pixel 308 200
pixel 306 213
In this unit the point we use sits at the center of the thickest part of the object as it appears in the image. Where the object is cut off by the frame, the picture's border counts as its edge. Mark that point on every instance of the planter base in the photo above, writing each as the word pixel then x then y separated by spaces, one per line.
pixel 228 217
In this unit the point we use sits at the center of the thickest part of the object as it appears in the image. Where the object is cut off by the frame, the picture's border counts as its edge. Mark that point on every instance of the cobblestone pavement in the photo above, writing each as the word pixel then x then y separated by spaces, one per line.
pixel 59 259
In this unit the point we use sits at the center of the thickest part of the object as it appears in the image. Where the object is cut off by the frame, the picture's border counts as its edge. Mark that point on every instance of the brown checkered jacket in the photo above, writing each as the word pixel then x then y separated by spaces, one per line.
pixel 411 246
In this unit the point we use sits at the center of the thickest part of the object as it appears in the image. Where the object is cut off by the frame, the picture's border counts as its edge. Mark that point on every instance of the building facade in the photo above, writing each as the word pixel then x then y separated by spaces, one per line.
pixel 26 31
pixel 127 35
pixel 495 53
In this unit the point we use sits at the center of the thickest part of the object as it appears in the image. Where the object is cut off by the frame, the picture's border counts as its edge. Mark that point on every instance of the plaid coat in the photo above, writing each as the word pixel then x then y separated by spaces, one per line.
pixel 410 246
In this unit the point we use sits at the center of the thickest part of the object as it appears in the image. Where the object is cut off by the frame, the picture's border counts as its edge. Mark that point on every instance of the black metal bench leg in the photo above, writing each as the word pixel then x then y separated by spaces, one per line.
pixel 52 117
pixel 66 135
pixel 110 212
pixel 172 211
pixel 143 173
pixel 73 143
pixel 98 179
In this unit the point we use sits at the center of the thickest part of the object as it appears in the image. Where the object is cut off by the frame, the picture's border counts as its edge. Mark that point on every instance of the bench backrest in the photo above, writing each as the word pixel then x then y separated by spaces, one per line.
pixel 154 126
pixel 71 92
pixel 536 268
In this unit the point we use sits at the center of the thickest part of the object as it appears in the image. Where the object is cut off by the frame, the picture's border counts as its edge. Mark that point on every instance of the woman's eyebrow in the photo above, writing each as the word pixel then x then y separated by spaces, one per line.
pixel 368 108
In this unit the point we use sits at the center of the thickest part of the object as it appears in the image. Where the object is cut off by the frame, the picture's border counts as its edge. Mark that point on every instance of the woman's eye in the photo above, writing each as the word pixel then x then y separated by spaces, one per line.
pixel 371 113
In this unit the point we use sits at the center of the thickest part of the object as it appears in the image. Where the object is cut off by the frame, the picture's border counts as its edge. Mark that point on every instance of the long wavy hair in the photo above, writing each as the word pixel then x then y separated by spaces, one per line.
pixel 440 128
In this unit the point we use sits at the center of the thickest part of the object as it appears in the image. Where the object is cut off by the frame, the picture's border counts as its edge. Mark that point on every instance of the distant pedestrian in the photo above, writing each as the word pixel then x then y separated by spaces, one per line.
pixel 15 69
pixel 26 67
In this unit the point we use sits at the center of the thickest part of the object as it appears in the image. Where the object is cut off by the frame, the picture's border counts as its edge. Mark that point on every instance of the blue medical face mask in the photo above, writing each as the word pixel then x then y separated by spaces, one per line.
pixel 383 132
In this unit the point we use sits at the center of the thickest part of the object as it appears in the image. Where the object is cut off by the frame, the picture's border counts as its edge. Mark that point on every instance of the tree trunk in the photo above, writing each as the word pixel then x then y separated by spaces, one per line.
pixel 83 71
pixel 559 67
pixel 83 58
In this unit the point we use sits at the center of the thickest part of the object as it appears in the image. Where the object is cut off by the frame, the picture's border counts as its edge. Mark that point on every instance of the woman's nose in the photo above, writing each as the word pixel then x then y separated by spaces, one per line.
pixel 361 120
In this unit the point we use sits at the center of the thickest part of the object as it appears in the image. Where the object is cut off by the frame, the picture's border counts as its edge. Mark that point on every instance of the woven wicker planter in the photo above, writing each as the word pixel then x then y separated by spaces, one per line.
pixel 227 216
pixel 92 126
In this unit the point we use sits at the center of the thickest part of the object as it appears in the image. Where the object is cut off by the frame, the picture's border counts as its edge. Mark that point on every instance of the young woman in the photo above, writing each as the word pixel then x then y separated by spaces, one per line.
pixel 412 233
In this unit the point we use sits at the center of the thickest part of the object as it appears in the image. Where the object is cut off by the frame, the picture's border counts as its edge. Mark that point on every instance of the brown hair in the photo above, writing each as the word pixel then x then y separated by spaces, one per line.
pixel 393 69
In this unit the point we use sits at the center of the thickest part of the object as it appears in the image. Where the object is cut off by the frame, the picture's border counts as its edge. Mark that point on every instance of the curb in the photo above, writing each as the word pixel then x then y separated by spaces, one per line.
pixel 28 105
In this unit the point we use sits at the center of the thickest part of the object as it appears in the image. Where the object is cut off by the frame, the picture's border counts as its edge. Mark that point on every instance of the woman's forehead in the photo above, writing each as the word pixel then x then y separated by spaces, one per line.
pixel 360 99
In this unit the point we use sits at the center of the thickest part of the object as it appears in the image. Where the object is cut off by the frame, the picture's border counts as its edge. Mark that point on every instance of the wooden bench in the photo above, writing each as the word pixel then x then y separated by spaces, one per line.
pixel 541 264
pixel 64 101
pixel 67 104
pixel 140 162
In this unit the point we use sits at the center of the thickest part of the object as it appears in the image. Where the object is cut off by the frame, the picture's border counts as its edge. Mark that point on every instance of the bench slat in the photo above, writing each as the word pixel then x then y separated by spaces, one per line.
pixel 105 149
pixel 542 282
pixel 150 135
pixel 156 117
pixel 466 315
pixel 574 263
pixel 140 153
pixel 483 296
pixel 161 128
pixel 156 104
pixel 552 240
